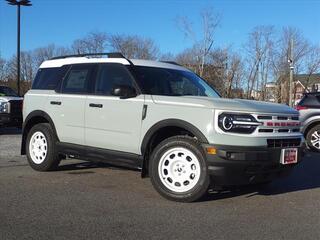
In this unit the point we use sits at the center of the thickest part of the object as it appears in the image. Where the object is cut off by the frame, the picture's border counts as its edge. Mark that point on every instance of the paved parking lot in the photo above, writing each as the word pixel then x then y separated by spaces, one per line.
pixel 90 201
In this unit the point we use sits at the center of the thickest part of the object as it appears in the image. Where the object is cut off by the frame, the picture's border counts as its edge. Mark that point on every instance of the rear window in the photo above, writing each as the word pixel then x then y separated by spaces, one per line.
pixel 310 100
pixel 77 79
pixel 49 78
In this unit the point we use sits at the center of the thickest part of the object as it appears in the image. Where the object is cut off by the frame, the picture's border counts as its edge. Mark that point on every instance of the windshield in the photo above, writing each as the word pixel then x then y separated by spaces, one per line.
pixel 172 82
pixel 5 91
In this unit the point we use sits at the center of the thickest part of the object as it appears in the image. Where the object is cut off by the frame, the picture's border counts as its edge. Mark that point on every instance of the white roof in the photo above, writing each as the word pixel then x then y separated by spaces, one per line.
pixel 138 62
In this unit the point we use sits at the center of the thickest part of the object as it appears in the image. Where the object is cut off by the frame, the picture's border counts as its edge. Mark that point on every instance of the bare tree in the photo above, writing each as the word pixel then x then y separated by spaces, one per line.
pixel 94 42
pixel 44 53
pixel 27 71
pixel 312 63
pixel 234 74
pixel 258 54
pixel 134 46
pixel 201 45
pixel 167 57
pixel 188 58
pixel 2 69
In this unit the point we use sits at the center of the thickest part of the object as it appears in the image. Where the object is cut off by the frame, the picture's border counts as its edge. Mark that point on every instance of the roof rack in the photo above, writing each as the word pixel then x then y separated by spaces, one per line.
pixel 171 62
pixel 110 55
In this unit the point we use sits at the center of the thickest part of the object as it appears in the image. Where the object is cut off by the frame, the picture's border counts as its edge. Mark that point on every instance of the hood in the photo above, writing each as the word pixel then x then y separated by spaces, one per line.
pixel 253 106
pixel 7 98
pixel 226 104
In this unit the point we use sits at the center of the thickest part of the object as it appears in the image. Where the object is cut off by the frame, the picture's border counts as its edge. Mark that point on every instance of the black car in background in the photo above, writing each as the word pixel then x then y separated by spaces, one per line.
pixel 10 108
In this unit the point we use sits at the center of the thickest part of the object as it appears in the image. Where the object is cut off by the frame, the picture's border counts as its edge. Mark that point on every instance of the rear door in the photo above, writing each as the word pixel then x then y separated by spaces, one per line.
pixel 111 122
pixel 68 106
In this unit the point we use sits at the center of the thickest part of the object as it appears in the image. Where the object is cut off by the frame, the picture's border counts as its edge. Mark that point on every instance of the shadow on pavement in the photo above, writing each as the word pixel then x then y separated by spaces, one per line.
pixel 10 131
pixel 303 177
pixel 88 165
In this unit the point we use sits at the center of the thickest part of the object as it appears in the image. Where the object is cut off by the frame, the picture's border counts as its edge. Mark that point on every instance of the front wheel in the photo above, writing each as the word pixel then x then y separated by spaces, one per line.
pixel 41 148
pixel 178 169
pixel 313 138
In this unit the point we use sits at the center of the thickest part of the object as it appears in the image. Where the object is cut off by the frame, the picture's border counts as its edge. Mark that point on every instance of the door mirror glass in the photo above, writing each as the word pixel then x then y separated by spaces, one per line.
pixel 124 91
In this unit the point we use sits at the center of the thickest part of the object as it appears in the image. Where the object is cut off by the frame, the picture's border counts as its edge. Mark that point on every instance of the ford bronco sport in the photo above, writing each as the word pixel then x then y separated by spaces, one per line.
pixel 158 117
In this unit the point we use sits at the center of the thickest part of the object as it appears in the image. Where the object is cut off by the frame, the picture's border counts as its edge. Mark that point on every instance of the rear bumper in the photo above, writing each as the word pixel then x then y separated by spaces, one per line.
pixel 232 166
pixel 10 120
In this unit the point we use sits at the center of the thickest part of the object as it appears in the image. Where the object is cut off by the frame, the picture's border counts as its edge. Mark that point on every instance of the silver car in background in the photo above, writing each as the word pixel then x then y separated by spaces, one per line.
pixel 309 108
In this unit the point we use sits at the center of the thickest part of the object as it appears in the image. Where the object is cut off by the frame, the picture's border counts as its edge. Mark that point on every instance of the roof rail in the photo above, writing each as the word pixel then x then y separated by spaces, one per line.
pixel 110 55
pixel 171 62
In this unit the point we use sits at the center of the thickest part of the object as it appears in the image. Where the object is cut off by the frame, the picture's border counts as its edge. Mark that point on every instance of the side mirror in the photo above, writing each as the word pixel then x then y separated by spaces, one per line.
pixel 124 91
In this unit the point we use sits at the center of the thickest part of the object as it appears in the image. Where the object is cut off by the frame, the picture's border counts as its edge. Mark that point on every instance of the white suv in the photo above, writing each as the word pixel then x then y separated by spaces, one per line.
pixel 158 117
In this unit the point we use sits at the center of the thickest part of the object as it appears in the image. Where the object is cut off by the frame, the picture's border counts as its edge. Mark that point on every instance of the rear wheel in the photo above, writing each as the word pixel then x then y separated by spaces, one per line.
pixel 313 138
pixel 178 169
pixel 41 148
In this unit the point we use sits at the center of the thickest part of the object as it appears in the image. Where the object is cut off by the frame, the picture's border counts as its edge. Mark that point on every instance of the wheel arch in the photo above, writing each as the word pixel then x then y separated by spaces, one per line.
pixel 310 125
pixel 167 128
pixel 32 119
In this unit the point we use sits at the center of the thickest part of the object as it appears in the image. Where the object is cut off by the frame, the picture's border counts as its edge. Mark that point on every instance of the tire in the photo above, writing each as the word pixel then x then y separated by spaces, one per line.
pixel 313 138
pixel 41 148
pixel 178 169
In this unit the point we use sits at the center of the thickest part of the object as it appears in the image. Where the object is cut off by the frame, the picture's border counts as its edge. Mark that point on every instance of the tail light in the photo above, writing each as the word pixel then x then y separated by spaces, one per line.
pixel 300 108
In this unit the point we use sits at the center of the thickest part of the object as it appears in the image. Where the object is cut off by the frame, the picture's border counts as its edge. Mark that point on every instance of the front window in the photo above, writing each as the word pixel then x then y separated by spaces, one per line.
pixel 111 75
pixel 172 82
pixel 5 91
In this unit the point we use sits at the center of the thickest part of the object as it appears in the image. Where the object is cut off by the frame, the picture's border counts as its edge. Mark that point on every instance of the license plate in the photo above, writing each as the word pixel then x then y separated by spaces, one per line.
pixel 289 156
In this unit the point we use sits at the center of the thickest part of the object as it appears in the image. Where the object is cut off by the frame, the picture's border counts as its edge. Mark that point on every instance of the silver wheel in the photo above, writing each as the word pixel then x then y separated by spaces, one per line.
pixel 179 169
pixel 315 140
pixel 38 147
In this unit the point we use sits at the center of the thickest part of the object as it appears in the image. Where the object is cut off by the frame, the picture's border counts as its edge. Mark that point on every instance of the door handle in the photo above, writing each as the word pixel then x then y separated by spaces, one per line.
pixel 96 105
pixel 55 103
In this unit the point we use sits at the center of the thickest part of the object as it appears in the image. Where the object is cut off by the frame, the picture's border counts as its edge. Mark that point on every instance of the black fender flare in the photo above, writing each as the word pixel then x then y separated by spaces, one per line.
pixel 26 126
pixel 171 123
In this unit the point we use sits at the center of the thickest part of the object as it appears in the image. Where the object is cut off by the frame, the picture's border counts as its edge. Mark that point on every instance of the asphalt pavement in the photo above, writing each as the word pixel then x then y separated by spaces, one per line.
pixel 96 201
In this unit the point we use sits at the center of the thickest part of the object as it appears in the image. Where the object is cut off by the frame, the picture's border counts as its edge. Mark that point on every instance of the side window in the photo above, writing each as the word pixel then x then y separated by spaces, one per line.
pixel 111 75
pixel 77 80
pixel 49 78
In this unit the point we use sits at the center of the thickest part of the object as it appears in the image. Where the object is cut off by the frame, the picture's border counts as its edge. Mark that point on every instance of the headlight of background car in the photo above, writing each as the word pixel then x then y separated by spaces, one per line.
pixel 4 107
pixel 237 123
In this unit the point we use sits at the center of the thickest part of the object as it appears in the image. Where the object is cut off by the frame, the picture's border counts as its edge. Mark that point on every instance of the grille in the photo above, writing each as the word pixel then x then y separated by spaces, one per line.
pixel 16 106
pixel 278 124
pixel 278 143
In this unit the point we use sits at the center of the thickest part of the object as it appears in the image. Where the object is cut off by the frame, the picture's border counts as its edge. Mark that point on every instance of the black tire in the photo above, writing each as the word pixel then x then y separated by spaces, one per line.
pixel 52 159
pixel 192 145
pixel 309 138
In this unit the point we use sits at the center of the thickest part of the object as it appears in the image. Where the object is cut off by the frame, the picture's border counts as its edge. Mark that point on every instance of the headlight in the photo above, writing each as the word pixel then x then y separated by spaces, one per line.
pixel 4 107
pixel 237 123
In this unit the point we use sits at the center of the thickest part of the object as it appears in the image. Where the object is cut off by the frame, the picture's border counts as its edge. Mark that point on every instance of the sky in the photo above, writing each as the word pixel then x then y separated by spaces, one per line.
pixel 62 21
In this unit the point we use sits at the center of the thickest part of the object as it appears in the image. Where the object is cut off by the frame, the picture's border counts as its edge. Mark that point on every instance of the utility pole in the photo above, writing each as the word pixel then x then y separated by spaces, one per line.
pixel 17 3
pixel 18 48
pixel 290 61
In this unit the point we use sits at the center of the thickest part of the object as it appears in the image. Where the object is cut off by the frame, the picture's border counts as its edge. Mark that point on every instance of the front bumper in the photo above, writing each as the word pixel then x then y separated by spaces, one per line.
pixel 233 165
pixel 10 120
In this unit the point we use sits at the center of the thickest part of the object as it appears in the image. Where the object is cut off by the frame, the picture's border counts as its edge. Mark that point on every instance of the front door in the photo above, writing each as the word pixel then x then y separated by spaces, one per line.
pixel 111 122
